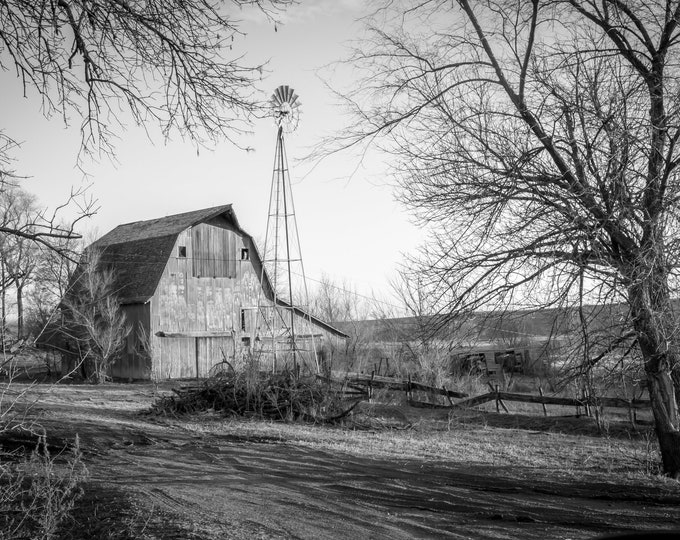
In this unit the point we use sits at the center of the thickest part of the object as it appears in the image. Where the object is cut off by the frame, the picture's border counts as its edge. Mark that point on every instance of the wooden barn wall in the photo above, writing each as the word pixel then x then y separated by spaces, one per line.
pixel 134 362
pixel 201 296
pixel 206 296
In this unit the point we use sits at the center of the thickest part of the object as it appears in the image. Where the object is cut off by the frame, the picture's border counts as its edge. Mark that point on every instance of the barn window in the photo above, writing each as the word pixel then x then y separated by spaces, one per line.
pixel 245 255
pixel 214 252
pixel 182 251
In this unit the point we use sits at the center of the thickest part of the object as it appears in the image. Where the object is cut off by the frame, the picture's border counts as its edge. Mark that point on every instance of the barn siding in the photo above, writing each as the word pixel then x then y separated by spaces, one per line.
pixel 187 301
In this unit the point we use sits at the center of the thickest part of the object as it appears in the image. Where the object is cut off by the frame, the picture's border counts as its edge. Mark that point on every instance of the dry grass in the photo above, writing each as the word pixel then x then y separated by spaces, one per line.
pixel 38 492
pixel 466 439
pixel 529 453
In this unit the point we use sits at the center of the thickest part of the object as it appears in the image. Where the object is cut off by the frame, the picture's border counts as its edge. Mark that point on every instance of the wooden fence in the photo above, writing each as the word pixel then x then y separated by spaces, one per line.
pixel 361 386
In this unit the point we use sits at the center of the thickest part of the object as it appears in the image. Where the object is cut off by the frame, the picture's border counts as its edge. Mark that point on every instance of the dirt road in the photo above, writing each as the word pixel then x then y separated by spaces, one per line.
pixel 180 484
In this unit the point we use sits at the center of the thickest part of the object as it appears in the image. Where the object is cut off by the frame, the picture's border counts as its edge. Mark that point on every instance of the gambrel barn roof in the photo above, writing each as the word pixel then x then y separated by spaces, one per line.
pixel 139 251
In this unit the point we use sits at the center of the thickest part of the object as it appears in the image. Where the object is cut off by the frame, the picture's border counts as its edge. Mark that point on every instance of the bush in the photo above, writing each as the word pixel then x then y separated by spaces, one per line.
pixel 37 495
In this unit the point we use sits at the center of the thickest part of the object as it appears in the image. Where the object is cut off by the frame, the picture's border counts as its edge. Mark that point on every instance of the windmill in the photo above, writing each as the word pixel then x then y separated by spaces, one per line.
pixel 286 338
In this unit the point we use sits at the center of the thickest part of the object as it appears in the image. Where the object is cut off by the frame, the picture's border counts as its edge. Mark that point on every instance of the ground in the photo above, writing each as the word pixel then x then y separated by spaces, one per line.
pixel 390 472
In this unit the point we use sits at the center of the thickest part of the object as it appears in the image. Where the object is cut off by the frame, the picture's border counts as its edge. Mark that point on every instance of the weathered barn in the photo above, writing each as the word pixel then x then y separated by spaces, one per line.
pixel 189 285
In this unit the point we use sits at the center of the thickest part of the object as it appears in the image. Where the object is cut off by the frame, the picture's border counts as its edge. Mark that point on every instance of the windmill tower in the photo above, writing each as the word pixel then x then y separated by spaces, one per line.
pixel 285 331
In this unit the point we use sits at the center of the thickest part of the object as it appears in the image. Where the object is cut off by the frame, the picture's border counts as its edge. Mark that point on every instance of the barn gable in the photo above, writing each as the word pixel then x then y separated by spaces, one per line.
pixel 138 252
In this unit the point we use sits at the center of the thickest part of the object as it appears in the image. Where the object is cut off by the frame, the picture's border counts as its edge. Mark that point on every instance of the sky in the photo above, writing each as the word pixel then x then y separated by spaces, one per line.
pixel 349 225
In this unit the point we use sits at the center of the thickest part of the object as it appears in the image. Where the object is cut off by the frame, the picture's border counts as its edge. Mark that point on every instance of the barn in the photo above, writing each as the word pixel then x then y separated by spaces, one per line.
pixel 189 285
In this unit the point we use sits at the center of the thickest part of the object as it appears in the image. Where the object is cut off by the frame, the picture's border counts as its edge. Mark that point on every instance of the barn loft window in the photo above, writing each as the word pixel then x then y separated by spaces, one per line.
pixel 214 252
pixel 245 255
pixel 182 251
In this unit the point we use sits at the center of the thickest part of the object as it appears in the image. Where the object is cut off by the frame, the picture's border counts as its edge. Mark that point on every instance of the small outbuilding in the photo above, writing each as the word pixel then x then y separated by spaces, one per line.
pixel 189 285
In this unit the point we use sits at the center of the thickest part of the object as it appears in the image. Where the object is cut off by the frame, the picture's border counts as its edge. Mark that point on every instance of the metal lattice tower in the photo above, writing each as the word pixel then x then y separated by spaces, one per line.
pixel 286 335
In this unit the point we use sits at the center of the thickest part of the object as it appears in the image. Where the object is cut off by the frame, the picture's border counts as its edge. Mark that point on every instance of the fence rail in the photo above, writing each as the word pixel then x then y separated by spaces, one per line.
pixel 360 384
pixel 358 381
pixel 554 400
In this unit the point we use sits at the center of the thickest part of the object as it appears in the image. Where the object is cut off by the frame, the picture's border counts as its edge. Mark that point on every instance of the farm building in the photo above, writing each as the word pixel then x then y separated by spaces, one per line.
pixel 189 286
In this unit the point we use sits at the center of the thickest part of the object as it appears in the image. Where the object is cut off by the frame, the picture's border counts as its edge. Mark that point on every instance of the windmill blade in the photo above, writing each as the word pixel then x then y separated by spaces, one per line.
pixel 285 107
pixel 279 95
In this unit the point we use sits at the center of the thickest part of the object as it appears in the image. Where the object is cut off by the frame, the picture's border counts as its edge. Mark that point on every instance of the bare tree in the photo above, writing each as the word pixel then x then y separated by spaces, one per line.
pixel 339 303
pixel 94 327
pixel 168 62
pixel 19 254
pixel 335 302
pixel 425 341
pixel 164 61
pixel 539 142
pixel 50 283
pixel 29 236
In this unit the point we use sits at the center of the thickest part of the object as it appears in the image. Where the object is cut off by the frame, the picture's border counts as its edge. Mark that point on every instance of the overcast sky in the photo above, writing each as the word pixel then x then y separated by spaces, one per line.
pixel 349 228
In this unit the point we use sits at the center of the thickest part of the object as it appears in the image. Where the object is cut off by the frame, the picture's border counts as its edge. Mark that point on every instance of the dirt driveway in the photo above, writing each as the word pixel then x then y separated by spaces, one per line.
pixel 156 479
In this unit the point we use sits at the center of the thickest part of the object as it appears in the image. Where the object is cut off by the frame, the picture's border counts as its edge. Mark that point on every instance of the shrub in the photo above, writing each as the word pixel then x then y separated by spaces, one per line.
pixel 37 494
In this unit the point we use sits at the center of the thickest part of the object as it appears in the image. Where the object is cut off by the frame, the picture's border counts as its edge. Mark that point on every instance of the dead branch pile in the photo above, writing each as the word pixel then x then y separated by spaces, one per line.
pixel 280 396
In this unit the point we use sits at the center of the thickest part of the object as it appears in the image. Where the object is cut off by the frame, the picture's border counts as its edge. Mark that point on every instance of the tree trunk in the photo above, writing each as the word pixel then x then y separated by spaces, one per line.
pixel 3 302
pixel 20 311
pixel 3 298
pixel 662 395
pixel 653 322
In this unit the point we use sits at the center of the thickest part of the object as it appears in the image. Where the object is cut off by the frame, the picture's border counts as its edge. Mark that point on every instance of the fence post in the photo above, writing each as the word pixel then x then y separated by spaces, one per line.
pixel 499 401
pixel 631 415
pixel 446 393
pixel 545 411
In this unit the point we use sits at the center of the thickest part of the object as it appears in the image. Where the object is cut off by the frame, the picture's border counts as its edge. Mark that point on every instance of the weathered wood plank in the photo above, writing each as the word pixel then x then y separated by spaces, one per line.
pixel 477 400
pixel 439 391
pixel 196 333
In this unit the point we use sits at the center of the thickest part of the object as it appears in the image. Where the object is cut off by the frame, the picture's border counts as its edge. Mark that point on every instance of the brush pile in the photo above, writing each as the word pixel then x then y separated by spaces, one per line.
pixel 276 396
